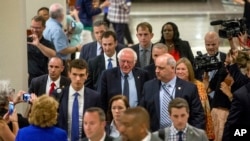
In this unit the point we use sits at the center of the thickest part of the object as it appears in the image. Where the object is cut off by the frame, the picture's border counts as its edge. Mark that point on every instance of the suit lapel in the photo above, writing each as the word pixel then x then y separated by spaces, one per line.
pixel 94 49
pixel 86 102
pixel 137 82
pixel 178 88
pixel 64 104
pixel 43 85
pixel 117 79
pixel 101 64
pixel 156 90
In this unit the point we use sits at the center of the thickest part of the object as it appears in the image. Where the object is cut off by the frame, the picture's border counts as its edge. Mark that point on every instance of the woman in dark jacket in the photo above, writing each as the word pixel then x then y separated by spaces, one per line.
pixel 176 47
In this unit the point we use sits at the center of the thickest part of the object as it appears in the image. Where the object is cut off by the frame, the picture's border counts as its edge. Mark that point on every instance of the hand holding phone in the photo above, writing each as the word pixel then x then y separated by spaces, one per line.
pixel 26 97
pixel 11 107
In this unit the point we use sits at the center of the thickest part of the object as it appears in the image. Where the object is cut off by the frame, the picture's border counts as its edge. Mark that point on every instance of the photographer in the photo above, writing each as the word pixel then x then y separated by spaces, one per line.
pixel 211 71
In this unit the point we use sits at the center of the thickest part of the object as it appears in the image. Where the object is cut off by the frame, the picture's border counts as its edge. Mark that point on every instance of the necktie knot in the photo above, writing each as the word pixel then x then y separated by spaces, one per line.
pixel 52 84
pixel 180 135
pixel 126 76
pixel 110 65
pixel 76 95
pixel 52 88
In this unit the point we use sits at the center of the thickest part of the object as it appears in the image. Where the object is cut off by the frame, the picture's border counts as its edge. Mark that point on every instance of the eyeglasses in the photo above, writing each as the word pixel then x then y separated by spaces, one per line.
pixel 36 28
pixel 126 61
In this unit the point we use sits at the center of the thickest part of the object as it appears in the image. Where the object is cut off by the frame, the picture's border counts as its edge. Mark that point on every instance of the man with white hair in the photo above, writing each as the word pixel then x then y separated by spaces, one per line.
pixel 125 79
pixel 54 32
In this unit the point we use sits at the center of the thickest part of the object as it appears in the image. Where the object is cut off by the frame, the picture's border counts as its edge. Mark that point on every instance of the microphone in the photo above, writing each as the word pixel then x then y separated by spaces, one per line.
pixel 217 22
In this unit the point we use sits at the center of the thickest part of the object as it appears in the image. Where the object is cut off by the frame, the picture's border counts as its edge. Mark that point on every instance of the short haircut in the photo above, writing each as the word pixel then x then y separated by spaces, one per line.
pixel 56 10
pixel 171 61
pixel 178 103
pixel 144 26
pixel 56 57
pixel 190 69
pixel 44 112
pixel 140 114
pixel 39 19
pixel 176 32
pixel 5 92
pixel 161 46
pixel 99 111
pixel 109 33
pixel 78 64
pixel 115 98
pixel 127 50
pixel 43 9
pixel 100 23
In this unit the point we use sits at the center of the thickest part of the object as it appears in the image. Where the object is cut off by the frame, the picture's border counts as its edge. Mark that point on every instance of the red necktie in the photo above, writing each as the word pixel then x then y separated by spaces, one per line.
pixel 52 88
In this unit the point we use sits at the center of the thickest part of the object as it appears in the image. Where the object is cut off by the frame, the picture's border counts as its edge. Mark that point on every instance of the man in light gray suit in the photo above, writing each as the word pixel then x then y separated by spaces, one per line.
pixel 180 130
pixel 134 126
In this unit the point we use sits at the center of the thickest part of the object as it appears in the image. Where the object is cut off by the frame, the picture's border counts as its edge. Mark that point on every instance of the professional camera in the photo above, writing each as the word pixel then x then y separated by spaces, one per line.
pixel 206 63
pixel 232 28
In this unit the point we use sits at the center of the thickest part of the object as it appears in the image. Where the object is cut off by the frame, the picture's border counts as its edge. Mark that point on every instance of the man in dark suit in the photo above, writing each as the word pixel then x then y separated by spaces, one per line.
pixel 157 94
pixel 157 50
pixel 144 48
pixel 134 126
pixel 94 123
pixel 107 60
pixel 124 79
pixel 239 114
pixel 74 99
pixel 94 48
pixel 45 84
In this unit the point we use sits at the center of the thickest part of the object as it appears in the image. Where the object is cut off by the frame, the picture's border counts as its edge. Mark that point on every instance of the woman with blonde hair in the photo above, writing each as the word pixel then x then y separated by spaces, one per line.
pixel 42 119
pixel 184 70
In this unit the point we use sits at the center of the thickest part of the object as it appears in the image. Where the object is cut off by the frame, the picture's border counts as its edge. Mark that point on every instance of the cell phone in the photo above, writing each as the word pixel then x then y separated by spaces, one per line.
pixel 26 97
pixel 11 107
pixel 29 39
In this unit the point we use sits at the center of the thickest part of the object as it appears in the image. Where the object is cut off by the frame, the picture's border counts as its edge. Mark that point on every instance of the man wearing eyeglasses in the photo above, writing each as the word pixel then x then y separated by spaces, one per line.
pixel 125 79
pixel 39 49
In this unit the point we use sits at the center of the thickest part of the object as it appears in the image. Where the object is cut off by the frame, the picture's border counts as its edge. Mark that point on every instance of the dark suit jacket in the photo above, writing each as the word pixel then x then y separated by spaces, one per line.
pixel 136 48
pixel 89 50
pixel 91 99
pixel 38 84
pixel 96 66
pixel 183 89
pixel 184 49
pixel 239 113
pixel 107 138
pixel 111 84
pixel 151 71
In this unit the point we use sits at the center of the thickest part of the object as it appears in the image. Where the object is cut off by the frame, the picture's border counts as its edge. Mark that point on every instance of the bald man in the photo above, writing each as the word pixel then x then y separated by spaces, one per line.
pixel 157 94
pixel 55 34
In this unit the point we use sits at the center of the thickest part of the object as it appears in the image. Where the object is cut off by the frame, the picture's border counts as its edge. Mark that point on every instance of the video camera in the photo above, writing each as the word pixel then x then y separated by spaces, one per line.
pixel 232 27
pixel 206 63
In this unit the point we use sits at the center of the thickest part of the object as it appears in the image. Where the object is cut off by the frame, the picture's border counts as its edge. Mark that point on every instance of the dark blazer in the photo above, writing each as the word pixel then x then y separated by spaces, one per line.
pixel 96 66
pixel 136 48
pixel 107 138
pixel 38 84
pixel 183 89
pixel 91 99
pixel 184 49
pixel 89 50
pixel 111 84
pixel 239 113
pixel 151 71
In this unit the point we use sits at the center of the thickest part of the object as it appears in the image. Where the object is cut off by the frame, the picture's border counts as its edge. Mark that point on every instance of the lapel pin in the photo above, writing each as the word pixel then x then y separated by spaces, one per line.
pixel 138 77
pixel 179 88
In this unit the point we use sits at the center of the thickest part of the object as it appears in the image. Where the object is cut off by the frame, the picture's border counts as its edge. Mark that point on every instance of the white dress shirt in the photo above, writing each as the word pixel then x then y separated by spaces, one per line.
pixel 49 81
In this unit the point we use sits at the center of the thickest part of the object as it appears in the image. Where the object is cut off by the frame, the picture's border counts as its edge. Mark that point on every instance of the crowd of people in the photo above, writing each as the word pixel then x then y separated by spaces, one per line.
pixel 130 92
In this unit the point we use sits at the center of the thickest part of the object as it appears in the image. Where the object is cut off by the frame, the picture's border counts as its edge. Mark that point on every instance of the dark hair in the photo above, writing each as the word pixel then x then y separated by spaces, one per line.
pixel 145 25
pixel 109 33
pixel 115 98
pixel 242 58
pixel 140 114
pixel 178 103
pixel 99 23
pixel 39 19
pixel 176 35
pixel 43 8
pixel 99 111
pixel 79 64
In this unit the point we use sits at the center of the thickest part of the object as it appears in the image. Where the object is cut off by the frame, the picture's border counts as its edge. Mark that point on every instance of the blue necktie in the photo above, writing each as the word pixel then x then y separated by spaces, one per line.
pixel 110 66
pixel 75 119
pixel 180 135
pixel 126 86
pixel 144 58
pixel 165 118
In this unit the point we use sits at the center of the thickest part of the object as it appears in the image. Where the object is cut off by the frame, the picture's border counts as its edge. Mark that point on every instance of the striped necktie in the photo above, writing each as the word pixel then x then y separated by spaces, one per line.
pixel 165 118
